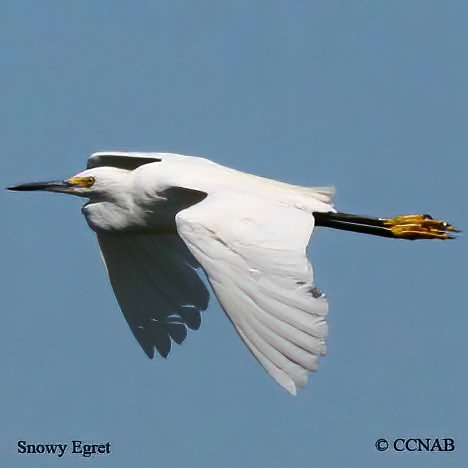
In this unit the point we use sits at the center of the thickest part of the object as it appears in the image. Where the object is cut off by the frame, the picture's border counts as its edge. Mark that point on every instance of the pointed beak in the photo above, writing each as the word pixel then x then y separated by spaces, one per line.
pixel 51 186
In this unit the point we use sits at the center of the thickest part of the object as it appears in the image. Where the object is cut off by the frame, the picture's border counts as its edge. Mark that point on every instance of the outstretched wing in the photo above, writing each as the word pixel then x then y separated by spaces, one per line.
pixel 157 286
pixel 253 251
pixel 122 159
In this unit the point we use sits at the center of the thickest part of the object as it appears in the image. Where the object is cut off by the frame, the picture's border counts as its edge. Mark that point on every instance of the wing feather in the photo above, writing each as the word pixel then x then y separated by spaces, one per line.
pixel 122 160
pixel 253 250
pixel 156 284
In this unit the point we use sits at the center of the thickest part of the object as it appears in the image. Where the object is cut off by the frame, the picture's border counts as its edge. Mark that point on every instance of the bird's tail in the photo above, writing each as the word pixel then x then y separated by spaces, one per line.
pixel 323 194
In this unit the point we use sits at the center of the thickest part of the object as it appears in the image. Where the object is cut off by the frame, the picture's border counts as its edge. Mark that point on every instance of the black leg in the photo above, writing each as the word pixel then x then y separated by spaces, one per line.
pixel 409 227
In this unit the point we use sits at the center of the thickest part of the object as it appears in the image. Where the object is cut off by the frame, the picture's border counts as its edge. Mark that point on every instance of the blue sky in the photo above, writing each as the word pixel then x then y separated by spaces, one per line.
pixel 367 96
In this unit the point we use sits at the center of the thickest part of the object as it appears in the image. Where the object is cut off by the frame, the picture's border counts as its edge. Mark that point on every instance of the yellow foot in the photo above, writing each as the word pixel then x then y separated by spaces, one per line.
pixel 419 226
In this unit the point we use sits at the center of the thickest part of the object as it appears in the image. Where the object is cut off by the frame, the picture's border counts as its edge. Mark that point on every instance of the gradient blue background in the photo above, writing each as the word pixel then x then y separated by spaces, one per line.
pixel 368 96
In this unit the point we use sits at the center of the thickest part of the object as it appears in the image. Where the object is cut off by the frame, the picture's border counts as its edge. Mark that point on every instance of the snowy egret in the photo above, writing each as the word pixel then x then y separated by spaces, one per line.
pixel 159 217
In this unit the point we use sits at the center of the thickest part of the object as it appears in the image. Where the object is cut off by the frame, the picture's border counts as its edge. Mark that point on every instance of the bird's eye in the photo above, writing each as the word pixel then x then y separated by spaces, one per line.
pixel 88 182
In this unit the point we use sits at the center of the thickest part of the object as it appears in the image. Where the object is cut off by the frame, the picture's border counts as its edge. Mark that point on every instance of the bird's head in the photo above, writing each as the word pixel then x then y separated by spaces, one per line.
pixel 99 182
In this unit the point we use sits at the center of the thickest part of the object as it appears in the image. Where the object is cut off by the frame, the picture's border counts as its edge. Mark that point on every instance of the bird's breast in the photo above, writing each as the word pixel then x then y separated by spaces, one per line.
pixel 134 218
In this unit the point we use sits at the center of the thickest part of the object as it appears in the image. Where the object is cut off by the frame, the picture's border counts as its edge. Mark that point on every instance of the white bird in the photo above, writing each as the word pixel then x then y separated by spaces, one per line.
pixel 159 217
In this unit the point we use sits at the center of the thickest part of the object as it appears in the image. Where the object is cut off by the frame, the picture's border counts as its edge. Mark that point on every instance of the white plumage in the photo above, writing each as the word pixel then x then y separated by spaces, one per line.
pixel 249 235
pixel 257 266
pixel 159 217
